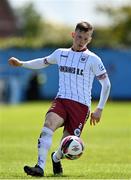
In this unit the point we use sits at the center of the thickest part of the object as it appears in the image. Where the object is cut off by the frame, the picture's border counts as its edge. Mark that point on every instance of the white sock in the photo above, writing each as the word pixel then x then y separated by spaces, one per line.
pixel 44 144
pixel 57 156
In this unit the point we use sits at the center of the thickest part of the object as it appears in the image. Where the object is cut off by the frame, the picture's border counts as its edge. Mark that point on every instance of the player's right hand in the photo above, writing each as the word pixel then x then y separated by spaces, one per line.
pixel 14 62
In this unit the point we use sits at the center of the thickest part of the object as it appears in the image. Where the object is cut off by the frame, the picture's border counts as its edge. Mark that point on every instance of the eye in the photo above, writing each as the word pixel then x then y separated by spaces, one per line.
pixel 80 37
pixel 86 39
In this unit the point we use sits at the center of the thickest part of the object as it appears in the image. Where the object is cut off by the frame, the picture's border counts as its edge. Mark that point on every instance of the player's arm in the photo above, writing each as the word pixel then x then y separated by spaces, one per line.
pixel 36 63
pixel 105 90
pixel 32 64
pixel 15 62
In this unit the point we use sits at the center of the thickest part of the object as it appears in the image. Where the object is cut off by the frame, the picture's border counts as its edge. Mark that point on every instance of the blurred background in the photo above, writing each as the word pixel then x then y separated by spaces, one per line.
pixel 35 28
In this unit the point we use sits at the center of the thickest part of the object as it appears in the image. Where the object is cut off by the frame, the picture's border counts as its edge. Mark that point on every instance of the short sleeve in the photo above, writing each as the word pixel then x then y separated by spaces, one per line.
pixel 98 66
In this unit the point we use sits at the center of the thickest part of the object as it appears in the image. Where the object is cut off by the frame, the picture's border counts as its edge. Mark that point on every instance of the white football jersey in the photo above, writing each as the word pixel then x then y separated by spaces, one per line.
pixel 76 73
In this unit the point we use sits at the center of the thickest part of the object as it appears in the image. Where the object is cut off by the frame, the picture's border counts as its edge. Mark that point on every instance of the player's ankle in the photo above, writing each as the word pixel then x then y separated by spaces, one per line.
pixel 55 158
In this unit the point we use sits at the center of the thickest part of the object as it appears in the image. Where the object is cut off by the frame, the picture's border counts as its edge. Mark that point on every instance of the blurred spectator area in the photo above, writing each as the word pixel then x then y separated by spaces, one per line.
pixel 8 21
pixel 20 84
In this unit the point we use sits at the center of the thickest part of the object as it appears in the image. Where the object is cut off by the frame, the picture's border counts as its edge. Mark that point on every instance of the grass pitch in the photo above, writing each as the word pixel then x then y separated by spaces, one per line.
pixel 107 145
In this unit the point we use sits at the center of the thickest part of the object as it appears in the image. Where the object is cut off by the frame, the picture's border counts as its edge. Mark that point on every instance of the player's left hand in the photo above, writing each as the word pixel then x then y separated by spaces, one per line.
pixel 95 116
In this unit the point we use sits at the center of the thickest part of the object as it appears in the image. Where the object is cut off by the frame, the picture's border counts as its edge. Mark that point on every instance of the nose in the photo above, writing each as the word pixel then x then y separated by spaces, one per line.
pixel 81 44
pixel 81 41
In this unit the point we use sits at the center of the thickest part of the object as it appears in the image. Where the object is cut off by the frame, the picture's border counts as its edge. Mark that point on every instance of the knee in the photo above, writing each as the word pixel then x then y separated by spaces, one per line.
pixel 48 123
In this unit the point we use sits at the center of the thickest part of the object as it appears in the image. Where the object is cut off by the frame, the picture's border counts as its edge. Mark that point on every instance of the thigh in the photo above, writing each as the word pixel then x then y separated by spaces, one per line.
pixel 56 115
pixel 65 133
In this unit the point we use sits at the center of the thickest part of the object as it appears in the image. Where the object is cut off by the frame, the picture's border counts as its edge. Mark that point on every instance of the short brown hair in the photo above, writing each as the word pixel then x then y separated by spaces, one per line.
pixel 84 26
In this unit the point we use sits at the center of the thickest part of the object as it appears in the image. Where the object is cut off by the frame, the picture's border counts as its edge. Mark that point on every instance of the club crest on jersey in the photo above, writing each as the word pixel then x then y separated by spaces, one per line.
pixel 83 59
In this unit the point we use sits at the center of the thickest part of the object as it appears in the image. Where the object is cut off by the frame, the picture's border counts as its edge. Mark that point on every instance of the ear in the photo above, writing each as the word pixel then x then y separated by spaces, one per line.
pixel 73 34
pixel 90 38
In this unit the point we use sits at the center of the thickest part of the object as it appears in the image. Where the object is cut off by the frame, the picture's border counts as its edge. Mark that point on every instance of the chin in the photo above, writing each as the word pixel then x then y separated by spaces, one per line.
pixel 80 48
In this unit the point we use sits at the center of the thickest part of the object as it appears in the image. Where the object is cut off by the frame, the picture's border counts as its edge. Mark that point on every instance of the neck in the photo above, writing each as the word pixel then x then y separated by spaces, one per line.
pixel 84 49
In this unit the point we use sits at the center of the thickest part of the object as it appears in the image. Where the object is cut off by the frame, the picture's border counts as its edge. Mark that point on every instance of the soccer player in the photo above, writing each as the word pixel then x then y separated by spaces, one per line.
pixel 71 107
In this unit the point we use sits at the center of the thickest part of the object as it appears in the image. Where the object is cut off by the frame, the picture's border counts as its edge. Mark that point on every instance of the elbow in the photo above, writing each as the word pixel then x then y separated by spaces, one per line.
pixel 108 86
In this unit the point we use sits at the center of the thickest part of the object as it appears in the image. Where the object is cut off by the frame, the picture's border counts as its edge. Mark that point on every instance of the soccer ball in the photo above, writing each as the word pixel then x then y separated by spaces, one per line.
pixel 72 147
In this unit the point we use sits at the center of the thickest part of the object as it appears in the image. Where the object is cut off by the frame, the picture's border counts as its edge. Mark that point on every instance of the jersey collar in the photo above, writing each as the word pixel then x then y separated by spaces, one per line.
pixel 78 50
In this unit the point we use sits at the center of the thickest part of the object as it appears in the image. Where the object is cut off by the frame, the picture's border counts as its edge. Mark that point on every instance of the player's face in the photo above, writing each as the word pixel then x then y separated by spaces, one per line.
pixel 80 39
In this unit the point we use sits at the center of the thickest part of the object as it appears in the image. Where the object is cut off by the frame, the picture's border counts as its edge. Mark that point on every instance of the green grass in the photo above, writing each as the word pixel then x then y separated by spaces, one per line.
pixel 107 145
